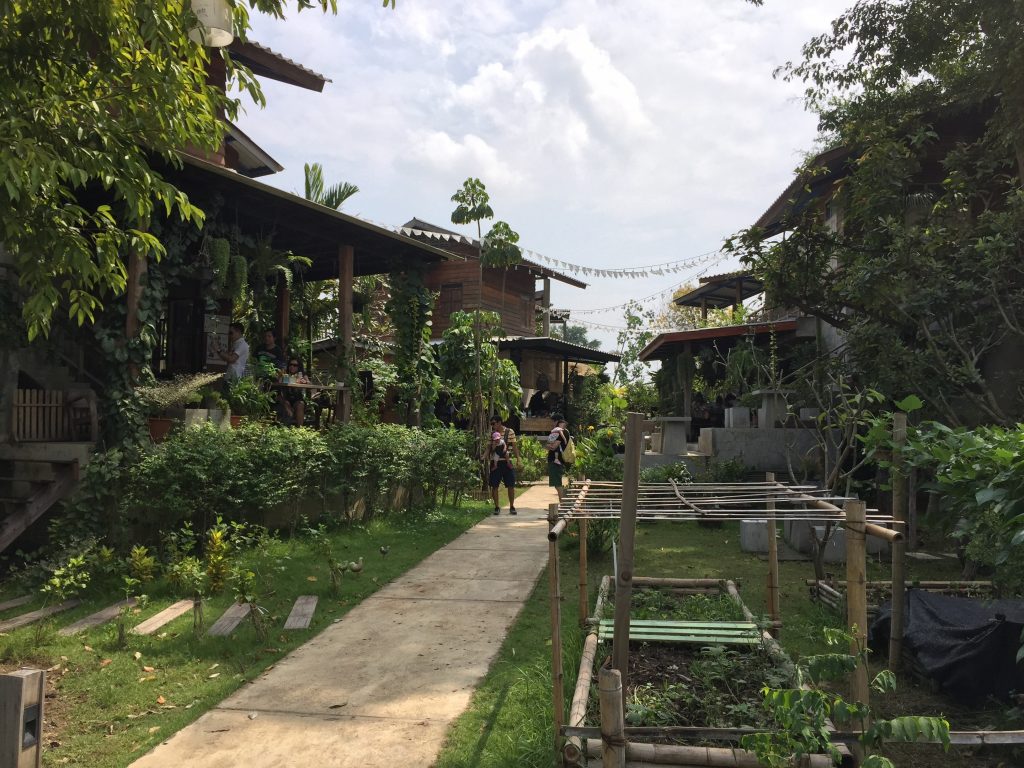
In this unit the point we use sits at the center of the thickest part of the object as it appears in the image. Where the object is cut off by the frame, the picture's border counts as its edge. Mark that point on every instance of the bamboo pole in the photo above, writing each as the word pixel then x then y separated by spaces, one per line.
pixel 613 722
pixel 681 755
pixel 912 510
pixel 583 607
pixel 649 581
pixel 554 593
pixel 627 533
pixel 899 502
pixel 856 596
pixel 773 562
pixel 572 750
pixel 602 598
pixel 951 585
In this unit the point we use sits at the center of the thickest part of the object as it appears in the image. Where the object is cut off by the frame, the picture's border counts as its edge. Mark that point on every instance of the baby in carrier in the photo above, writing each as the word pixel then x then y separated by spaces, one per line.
pixel 499 449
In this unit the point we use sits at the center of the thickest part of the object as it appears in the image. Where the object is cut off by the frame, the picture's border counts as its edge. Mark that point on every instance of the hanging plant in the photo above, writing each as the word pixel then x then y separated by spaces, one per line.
pixel 238 276
pixel 219 250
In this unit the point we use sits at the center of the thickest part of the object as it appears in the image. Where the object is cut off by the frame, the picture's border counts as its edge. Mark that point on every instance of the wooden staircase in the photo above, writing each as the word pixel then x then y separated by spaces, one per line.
pixel 52 435
pixel 28 489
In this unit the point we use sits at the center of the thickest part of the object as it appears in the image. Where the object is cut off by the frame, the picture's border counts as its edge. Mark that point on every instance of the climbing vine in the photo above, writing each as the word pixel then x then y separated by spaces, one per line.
pixel 410 306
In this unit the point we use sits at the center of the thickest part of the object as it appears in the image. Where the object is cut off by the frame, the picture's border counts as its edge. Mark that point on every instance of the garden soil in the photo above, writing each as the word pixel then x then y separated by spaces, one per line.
pixel 381 686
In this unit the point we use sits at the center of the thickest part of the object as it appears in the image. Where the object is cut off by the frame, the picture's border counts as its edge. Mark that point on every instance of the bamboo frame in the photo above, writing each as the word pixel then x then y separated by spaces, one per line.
pixel 773 563
pixel 583 607
pixel 613 722
pixel 680 755
pixel 572 750
pixel 555 598
pixel 856 597
pixel 627 532
pixel 899 498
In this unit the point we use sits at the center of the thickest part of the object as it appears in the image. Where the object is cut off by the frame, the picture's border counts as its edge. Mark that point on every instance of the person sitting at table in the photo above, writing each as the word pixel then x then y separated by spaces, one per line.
pixel 270 352
pixel 293 400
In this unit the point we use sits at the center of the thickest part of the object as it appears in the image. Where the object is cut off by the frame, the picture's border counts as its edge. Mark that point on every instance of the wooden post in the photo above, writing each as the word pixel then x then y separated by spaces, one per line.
pixel 584 608
pixel 555 597
pixel 857 596
pixel 545 303
pixel 572 750
pixel 627 534
pixel 911 532
pixel 773 564
pixel 688 384
pixel 899 514
pixel 283 314
pixel 613 721
pixel 346 265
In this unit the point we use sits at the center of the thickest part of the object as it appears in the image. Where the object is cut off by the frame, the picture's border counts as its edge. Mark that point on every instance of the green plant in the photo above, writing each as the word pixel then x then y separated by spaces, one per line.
pixel 182 390
pixel 243 581
pixel 192 581
pixel 533 460
pixel 320 543
pixel 802 713
pixel 141 564
pixel 217 551
pixel 677 471
pixel 128 587
pixel 601 534
pixel 247 398
pixel 597 457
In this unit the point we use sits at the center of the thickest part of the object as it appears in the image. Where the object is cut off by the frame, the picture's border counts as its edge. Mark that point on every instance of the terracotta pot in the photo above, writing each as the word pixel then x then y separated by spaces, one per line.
pixel 235 421
pixel 159 427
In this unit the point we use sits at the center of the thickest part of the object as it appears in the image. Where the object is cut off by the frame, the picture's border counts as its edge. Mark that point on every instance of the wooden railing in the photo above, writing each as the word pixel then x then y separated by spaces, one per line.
pixel 44 415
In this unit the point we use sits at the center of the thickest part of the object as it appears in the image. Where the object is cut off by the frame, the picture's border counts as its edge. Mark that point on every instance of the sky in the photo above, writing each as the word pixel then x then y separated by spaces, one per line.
pixel 609 133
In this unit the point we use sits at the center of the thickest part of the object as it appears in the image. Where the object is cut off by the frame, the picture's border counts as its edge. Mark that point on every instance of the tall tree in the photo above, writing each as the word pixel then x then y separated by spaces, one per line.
pixel 925 276
pixel 333 196
pixel 94 97
pixel 497 249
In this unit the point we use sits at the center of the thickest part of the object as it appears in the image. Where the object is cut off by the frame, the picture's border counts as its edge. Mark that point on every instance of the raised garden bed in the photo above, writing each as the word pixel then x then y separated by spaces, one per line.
pixel 697 665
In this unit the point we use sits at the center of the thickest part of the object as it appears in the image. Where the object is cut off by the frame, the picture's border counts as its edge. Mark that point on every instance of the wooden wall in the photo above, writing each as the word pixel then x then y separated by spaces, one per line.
pixel 516 305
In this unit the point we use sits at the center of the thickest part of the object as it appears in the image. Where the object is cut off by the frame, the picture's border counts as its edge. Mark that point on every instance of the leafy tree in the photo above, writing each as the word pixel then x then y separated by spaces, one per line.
pixel 577 334
pixel 632 340
pixel 94 98
pixel 925 277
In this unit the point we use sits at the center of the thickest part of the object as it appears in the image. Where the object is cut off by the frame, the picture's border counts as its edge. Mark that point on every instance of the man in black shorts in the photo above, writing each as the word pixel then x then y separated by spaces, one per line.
pixel 500 452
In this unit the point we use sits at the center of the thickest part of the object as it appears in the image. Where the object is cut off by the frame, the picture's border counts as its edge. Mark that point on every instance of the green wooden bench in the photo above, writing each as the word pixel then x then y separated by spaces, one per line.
pixel 693 632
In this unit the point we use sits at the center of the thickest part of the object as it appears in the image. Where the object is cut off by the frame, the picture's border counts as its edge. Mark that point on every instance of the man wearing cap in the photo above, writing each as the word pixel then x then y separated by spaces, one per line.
pixel 500 452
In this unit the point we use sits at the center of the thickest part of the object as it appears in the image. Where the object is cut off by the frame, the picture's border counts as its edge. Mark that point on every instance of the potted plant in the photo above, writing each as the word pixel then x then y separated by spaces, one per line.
pixel 247 398
pixel 164 398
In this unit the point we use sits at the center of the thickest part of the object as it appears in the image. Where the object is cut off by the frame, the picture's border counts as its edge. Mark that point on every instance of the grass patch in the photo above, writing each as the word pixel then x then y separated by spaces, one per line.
pixel 113 704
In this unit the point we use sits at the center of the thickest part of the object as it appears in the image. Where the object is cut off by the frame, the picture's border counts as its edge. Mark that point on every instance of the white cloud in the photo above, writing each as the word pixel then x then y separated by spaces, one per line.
pixel 607 133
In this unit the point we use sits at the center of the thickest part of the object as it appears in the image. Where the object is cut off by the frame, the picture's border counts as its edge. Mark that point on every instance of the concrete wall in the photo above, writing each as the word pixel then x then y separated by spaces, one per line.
pixel 763 450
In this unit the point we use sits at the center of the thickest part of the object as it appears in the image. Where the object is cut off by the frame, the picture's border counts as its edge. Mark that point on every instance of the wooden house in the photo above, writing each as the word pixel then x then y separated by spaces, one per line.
pixel 49 391
pixel 521 295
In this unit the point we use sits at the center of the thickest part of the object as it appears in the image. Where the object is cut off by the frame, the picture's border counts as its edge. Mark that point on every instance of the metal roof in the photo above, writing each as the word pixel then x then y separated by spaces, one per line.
pixel 722 291
pixel 575 353
pixel 267 63
pixel 666 344
pixel 253 160
pixel 298 225
pixel 534 267
pixel 813 182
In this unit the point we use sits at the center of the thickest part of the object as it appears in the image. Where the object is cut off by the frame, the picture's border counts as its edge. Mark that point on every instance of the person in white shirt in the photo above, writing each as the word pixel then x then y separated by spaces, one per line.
pixel 237 353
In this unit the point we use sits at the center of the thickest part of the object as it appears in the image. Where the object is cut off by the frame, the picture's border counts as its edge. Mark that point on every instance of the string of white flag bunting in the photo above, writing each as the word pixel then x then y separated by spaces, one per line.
pixel 648 270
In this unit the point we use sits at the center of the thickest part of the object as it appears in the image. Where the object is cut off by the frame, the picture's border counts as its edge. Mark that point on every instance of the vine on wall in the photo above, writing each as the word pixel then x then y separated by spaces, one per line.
pixel 410 307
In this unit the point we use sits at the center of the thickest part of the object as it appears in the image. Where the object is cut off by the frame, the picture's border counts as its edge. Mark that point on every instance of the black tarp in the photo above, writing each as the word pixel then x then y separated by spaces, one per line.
pixel 968 646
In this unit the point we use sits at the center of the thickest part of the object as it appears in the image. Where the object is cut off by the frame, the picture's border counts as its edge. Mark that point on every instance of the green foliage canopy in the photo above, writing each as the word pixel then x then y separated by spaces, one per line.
pixel 94 96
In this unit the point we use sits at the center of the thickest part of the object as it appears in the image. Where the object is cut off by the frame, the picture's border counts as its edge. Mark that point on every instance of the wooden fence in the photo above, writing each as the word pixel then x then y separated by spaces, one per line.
pixel 43 415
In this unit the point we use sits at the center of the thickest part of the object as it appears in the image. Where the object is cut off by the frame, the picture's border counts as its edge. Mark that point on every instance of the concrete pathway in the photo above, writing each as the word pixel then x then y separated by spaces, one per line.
pixel 381 686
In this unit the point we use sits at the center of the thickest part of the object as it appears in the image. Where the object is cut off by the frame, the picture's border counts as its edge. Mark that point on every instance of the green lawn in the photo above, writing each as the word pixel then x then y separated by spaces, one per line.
pixel 114 704
pixel 508 724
